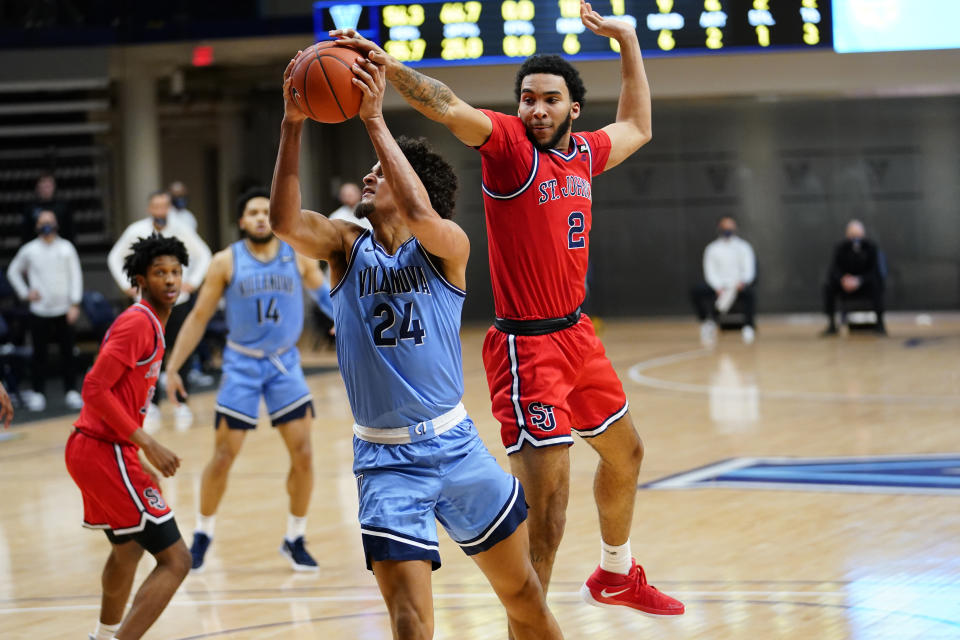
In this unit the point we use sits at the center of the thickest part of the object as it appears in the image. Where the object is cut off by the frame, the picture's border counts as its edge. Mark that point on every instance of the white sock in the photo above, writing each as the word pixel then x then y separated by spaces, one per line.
pixel 296 527
pixel 205 524
pixel 616 559
pixel 105 631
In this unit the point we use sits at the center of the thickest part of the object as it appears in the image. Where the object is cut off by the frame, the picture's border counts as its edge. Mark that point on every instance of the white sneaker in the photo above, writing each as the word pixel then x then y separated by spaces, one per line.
pixel 708 333
pixel 199 378
pixel 73 400
pixel 35 401
pixel 748 334
pixel 153 421
pixel 182 417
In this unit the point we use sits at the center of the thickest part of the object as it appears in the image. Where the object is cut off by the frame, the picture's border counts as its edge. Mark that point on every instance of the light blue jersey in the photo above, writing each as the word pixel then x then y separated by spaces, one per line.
pixel 398 335
pixel 264 321
pixel 264 300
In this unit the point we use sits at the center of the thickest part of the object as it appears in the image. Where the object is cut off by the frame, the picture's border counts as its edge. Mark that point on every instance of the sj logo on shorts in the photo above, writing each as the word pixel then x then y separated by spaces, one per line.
pixel 154 498
pixel 541 416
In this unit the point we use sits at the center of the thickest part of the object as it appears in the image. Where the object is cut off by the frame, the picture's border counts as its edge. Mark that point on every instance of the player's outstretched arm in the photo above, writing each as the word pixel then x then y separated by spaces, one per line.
pixel 218 275
pixel 440 237
pixel 427 95
pixel 633 127
pixel 308 232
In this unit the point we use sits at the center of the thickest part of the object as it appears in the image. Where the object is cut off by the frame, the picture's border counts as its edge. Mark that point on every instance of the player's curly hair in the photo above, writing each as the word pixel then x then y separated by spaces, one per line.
pixel 554 65
pixel 248 195
pixel 434 172
pixel 144 251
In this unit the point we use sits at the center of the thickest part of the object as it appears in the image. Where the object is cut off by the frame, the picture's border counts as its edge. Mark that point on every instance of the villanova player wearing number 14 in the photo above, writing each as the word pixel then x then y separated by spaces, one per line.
pixel 398 294
pixel 546 368
pixel 261 279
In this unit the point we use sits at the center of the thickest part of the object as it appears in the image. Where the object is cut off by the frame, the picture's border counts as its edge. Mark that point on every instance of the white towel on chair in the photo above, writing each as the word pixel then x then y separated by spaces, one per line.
pixel 725 299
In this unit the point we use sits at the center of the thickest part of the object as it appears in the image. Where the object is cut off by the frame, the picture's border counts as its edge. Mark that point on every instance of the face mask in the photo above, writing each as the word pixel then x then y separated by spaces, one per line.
pixel 179 202
pixel 160 223
pixel 727 233
pixel 46 229
pixel 856 242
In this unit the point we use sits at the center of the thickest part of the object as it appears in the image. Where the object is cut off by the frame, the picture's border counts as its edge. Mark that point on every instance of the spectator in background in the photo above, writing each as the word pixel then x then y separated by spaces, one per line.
pixel 729 268
pixel 54 287
pixel 45 199
pixel 159 220
pixel 856 270
pixel 349 197
pixel 178 202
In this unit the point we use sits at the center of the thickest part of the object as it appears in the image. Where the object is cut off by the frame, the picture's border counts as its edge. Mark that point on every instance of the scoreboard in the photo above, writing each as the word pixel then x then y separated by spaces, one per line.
pixel 503 31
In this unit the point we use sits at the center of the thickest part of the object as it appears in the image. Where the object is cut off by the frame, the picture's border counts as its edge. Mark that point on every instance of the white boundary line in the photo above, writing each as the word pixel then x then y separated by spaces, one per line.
pixel 636 375
pixel 559 595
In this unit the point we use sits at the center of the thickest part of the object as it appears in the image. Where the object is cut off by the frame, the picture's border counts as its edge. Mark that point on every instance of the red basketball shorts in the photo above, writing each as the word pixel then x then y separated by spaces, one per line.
pixel 541 387
pixel 117 493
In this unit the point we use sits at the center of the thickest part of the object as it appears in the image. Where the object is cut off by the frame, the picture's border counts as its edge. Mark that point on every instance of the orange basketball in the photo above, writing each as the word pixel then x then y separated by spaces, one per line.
pixel 322 85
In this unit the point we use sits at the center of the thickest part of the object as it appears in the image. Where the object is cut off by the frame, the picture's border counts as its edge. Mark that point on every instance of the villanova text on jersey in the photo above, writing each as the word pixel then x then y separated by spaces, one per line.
pixel 393 280
pixel 264 300
pixel 398 335
pixel 267 283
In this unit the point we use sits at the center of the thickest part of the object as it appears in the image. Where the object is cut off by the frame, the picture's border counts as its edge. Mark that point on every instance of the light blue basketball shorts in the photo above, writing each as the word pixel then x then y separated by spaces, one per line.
pixel 405 488
pixel 245 378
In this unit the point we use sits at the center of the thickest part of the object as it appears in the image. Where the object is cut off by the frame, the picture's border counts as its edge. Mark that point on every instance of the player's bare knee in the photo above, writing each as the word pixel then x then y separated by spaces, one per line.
pixel 301 458
pixel 523 595
pixel 176 559
pixel 411 624
pixel 223 457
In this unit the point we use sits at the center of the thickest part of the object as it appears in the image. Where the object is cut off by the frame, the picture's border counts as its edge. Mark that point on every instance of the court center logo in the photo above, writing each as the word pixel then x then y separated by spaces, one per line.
pixel 541 416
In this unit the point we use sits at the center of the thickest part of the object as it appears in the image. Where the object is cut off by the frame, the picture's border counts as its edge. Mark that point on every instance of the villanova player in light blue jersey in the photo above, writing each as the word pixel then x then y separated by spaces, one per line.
pixel 397 295
pixel 261 279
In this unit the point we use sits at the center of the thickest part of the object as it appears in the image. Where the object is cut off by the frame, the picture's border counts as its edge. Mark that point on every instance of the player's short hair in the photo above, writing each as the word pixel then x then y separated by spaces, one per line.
pixel 554 65
pixel 434 172
pixel 248 195
pixel 145 250
pixel 157 194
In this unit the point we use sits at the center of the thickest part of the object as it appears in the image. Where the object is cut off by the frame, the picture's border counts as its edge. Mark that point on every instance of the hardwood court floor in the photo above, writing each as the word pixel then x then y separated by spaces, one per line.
pixel 749 563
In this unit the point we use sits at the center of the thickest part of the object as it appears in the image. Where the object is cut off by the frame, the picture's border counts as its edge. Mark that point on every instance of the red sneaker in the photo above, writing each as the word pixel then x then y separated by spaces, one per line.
pixel 605 589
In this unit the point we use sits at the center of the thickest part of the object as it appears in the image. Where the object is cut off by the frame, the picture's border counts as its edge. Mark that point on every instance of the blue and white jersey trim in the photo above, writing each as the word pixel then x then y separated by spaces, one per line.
pixel 526 185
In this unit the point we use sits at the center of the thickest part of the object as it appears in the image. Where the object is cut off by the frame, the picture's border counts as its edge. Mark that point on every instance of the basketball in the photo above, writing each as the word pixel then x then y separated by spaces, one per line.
pixel 322 85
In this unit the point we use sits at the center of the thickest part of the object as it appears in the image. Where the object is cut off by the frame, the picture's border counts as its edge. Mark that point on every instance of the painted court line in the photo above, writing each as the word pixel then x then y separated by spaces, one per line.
pixel 560 595
pixel 636 374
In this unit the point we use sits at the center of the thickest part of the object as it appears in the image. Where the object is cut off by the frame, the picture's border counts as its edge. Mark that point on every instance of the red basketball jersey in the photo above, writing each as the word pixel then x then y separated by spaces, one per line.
pixel 538 214
pixel 135 339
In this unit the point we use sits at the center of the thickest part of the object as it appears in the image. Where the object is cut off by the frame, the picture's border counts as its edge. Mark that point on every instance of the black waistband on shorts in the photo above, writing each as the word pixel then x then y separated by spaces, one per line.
pixel 537 327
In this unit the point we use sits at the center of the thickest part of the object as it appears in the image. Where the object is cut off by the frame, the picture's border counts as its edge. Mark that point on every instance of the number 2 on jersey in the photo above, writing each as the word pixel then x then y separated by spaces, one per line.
pixel 575 239
pixel 410 328
pixel 270 313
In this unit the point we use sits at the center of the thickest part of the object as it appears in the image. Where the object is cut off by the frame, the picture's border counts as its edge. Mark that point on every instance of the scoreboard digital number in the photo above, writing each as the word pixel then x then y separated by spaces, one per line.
pixel 502 31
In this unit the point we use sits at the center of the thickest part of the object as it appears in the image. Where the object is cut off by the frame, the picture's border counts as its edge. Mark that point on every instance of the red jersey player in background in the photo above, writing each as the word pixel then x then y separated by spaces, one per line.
pixel 121 495
pixel 546 368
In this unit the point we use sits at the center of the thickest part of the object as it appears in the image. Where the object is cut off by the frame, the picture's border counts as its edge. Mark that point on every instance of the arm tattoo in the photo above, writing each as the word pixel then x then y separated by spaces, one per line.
pixel 420 90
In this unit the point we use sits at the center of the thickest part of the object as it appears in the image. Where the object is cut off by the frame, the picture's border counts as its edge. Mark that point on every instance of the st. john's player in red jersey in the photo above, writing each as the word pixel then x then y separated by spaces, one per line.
pixel 120 496
pixel 546 368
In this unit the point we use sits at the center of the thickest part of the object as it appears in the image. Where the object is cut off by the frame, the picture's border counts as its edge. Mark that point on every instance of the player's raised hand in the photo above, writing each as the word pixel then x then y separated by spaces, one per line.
pixel 291 112
pixel 606 27
pixel 175 386
pixel 6 408
pixel 370 49
pixel 371 79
